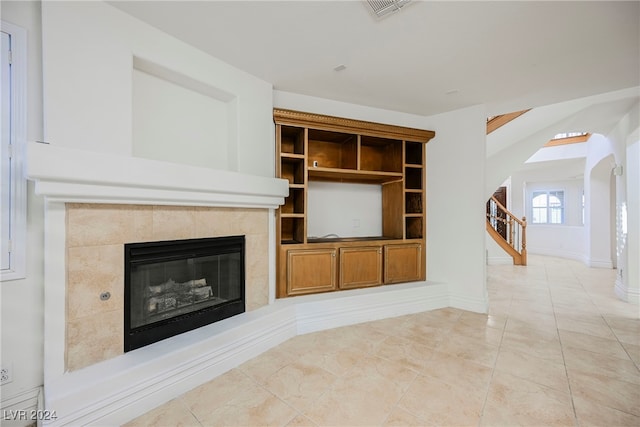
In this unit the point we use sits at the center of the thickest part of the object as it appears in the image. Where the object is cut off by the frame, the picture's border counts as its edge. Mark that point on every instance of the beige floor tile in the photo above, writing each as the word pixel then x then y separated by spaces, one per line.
pixel 440 403
pixel 458 372
pixel 299 385
pixel 621 395
pixel 540 371
pixel 255 407
pixel 338 362
pixel 422 333
pixel 591 363
pixel 585 324
pixel 390 326
pixel 365 396
pixel 470 349
pixel 401 418
pixel 546 321
pixel 233 399
pixel 627 330
pixel 532 330
pixel 172 413
pixel 543 349
pixel 301 421
pixel 592 414
pixel 605 346
pixel 372 372
pixel 634 352
pixel 263 366
pixel 482 327
pixel 518 402
pixel 412 354
pixel 217 392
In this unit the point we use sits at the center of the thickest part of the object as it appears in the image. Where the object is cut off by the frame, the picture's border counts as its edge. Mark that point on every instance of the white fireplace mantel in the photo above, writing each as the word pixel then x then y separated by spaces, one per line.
pixel 72 175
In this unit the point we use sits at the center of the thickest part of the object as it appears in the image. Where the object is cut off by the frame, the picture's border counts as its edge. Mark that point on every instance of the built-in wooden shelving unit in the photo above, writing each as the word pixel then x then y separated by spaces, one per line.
pixel 313 147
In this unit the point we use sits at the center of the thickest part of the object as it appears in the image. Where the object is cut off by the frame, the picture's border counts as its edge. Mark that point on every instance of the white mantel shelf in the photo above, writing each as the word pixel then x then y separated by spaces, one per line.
pixel 71 175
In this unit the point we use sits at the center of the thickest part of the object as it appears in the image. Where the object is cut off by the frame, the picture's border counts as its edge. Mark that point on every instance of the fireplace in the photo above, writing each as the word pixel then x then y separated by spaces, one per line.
pixel 172 287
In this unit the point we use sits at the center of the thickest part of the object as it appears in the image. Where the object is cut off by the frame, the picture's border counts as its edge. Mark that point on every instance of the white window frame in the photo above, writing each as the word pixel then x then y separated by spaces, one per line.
pixel 536 193
pixel 18 196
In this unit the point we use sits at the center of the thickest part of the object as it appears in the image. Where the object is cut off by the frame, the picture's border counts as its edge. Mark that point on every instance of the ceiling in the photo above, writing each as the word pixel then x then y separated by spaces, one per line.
pixel 428 58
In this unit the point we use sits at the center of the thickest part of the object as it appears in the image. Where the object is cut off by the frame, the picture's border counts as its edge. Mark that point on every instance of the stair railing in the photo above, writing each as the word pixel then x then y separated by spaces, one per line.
pixel 508 231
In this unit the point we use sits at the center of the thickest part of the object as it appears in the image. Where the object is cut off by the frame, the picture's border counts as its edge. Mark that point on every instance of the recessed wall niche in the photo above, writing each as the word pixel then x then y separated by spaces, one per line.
pixel 182 120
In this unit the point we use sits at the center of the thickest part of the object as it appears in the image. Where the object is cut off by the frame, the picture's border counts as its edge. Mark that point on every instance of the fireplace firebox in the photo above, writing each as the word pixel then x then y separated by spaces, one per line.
pixel 172 287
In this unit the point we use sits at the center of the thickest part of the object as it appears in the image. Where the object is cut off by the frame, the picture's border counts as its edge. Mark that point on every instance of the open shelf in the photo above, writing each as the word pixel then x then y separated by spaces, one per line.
pixel 413 178
pixel 413 203
pixel 291 140
pixel 292 229
pixel 380 154
pixel 292 169
pixel 294 203
pixel 335 150
pixel 413 153
pixel 349 175
pixel 413 227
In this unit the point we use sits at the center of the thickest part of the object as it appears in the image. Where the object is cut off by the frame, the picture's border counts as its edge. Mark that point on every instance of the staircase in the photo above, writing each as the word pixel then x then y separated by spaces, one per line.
pixel 509 232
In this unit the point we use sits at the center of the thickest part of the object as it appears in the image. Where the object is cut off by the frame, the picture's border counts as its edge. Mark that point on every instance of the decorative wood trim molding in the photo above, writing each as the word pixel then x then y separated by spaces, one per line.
pixel 340 124
pixel 571 140
pixel 503 119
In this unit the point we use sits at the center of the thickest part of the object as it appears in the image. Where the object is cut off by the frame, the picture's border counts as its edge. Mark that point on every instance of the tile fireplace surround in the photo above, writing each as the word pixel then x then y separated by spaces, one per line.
pixel 90 212
pixel 96 234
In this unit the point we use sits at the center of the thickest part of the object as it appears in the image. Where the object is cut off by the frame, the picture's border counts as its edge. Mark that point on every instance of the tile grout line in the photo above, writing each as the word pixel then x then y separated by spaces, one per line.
pixel 564 360
pixel 493 369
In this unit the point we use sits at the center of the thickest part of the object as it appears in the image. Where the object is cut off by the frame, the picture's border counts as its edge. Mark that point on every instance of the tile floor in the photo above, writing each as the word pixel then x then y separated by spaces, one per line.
pixel 557 348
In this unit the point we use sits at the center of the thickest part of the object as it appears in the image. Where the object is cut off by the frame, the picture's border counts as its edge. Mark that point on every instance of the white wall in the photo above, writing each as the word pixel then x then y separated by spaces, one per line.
pixel 22 300
pixel 90 51
pixel 563 240
pixel 191 122
pixel 455 190
pixel 456 205
pixel 344 209
pixel 626 137
pixel 630 252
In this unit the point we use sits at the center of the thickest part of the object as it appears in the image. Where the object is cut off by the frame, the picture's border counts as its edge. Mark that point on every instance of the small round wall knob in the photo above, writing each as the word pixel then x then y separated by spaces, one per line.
pixel 105 296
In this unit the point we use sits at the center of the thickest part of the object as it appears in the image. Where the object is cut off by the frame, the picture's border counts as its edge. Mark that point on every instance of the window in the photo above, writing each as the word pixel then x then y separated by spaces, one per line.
pixel 569 135
pixel 547 207
pixel 13 125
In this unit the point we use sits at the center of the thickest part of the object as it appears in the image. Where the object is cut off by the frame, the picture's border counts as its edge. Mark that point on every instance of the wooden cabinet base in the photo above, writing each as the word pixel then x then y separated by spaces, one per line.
pixel 326 267
pixel 360 267
pixel 311 271
pixel 403 263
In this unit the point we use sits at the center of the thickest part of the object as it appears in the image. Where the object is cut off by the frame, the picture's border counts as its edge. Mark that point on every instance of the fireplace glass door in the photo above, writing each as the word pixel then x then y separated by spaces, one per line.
pixel 173 287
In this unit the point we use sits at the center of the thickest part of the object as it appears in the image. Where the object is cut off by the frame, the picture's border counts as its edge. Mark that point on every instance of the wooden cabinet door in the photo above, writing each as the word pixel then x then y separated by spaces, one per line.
pixel 310 271
pixel 402 263
pixel 360 267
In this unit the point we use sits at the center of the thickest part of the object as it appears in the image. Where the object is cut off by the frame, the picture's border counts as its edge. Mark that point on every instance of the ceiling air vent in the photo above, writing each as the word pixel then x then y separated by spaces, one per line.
pixel 384 7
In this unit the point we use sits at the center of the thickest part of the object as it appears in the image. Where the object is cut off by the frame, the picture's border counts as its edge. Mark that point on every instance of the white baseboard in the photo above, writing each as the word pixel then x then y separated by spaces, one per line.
pixel 599 263
pixel 469 304
pixel 577 256
pixel 627 294
pixel 21 409
pixel 497 260
pixel 120 389
pixel 319 313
